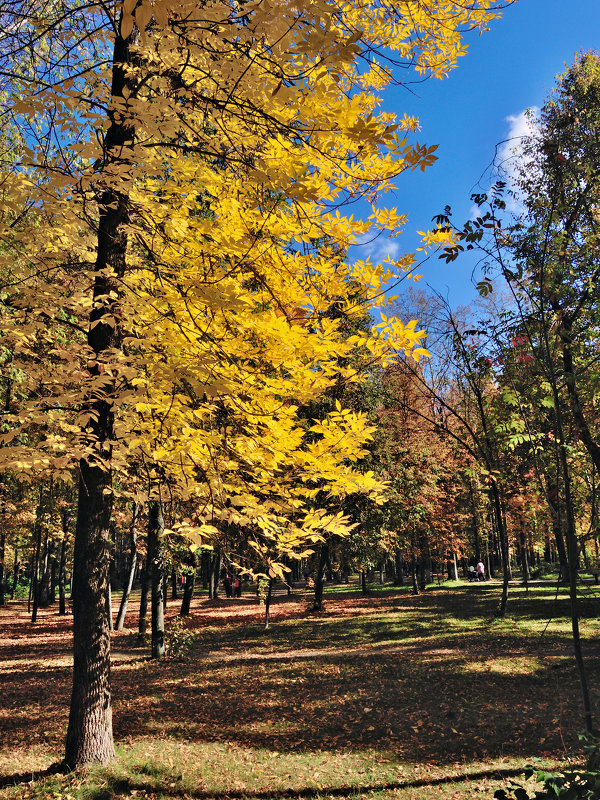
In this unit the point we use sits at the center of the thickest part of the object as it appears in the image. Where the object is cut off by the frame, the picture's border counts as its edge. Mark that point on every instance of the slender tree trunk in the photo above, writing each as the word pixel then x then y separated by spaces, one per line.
pixel 31 587
pixel 318 598
pixel 109 606
pixel 504 550
pixel 524 556
pixel 44 575
pixel 398 570
pixel 156 565
pixel 268 603
pixel 53 574
pixel 475 517
pixel 15 580
pixel 145 585
pixel 413 575
pixel 454 567
pixel 35 582
pixel 573 567
pixel 131 571
pixel 62 578
pixel 2 570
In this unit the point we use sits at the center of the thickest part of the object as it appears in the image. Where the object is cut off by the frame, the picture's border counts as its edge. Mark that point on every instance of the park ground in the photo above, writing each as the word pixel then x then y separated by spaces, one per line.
pixel 387 696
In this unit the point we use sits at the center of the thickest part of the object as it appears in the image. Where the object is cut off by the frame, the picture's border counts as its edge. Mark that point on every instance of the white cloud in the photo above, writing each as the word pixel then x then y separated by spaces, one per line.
pixel 509 154
pixel 377 248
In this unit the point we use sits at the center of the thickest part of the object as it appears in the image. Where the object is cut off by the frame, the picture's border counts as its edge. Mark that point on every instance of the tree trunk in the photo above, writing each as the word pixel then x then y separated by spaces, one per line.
pixel 62 575
pixel 2 570
pixel 318 599
pixel 398 570
pixel 34 589
pixel 89 735
pixel 213 577
pixel 573 566
pixel 363 581
pixel 524 556
pixel 188 588
pixel 44 572
pixel 268 603
pixel 504 549
pixel 145 585
pixel 131 571
pixel 156 526
pixel 109 605
pixel 15 580
pixel 413 575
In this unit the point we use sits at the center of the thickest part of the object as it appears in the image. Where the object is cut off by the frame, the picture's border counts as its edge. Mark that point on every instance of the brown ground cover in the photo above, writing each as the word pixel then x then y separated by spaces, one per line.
pixel 389 694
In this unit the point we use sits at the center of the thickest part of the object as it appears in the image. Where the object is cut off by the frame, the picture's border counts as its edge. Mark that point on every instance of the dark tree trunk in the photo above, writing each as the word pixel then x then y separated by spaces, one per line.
pixel 34 590
pixel 363 581
pixel 205 561
pixel 398 570
pixel 213 577
pixel 30 593
pixel 573 567
pixel 2 570
pixel 156 526
pixel 131 571
pixel 188 589
pixel 44 581
pixel 503 537
pixel 89 735
pixel 174 589
pixel 523 554
pixel 15 580
pixel 53 575
pixel 318 598
pixel 62 578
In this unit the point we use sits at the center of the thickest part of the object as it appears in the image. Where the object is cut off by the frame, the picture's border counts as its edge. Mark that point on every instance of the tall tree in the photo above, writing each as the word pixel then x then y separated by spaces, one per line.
pixel 178 174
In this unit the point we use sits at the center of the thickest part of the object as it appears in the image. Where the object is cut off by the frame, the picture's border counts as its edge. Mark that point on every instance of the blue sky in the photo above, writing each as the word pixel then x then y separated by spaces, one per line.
pixel 508 68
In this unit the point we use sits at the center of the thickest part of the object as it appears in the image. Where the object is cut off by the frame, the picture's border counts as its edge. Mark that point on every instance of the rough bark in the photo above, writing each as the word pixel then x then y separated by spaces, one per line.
pixel 89 734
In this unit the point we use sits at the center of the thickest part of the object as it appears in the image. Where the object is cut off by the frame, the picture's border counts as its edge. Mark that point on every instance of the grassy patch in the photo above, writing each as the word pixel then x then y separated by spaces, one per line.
pixel 390 696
